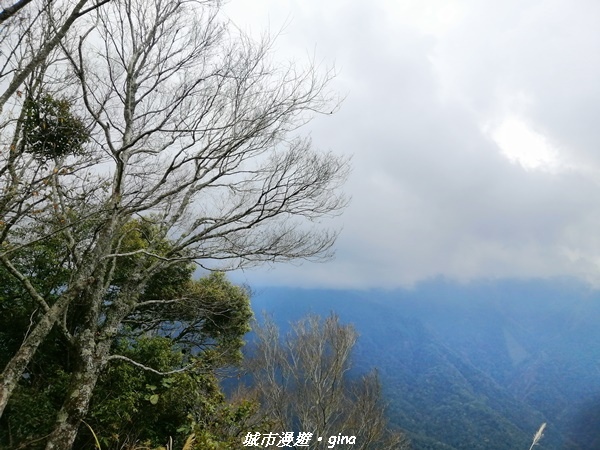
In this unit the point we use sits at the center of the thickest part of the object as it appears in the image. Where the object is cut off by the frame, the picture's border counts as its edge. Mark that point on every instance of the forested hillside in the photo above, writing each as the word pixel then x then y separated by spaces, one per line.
pixel 479 366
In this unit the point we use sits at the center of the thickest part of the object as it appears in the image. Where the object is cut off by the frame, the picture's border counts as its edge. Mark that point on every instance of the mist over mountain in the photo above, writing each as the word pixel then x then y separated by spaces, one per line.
pixel 477 366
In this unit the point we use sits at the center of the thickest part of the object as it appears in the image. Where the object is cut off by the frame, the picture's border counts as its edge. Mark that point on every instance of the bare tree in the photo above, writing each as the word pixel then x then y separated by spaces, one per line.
pixel 24 49
pixel 302 384
pixel 192 130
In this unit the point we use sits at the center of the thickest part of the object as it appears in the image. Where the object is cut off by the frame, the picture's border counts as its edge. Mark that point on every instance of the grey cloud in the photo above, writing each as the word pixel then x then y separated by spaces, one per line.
pixel 432 194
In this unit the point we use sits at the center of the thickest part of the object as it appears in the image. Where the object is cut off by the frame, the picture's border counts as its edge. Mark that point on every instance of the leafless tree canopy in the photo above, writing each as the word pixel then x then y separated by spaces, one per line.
pixel 301 381
pixel 185 124
pixel 30 30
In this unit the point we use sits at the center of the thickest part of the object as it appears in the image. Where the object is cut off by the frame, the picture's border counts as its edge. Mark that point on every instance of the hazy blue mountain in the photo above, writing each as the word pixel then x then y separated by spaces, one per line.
pixel 476 366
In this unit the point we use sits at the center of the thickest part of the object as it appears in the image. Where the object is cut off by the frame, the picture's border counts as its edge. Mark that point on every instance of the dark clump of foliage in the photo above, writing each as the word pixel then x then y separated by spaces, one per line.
pixel 50 129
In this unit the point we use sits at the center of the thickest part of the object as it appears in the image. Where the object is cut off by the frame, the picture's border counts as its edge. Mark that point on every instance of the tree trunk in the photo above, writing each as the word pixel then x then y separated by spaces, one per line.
pixel 93 356
pixel 94 345
pixel 16 366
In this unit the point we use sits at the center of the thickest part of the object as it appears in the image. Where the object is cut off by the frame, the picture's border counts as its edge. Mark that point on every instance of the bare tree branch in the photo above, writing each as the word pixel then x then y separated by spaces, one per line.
pixel 11 10
pixel 149 369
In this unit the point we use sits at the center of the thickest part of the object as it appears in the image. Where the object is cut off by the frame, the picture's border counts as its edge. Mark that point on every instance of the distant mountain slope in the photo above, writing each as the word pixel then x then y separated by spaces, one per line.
pixel 479 366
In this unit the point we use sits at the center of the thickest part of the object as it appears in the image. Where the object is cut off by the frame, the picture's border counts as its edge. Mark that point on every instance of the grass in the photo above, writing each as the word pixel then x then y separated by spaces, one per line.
pixel 537 437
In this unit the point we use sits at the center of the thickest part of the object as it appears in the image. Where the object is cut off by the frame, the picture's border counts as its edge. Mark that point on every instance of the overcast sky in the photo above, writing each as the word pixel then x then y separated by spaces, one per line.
pixel 475 133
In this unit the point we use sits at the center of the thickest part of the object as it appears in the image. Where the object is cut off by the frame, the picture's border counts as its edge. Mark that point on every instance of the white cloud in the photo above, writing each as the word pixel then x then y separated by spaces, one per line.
pixel 523 146
pixel 434 191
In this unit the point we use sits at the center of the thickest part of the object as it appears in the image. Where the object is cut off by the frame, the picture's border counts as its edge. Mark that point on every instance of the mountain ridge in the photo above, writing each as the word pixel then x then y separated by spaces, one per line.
pixel 476 366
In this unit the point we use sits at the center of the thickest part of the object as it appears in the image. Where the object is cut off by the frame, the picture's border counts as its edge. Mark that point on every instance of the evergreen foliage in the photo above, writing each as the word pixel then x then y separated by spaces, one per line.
pixel 51 130
pixel 133 403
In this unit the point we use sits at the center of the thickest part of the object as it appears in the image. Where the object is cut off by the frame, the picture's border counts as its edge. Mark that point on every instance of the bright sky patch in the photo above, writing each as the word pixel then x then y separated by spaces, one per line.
pixel 524 146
